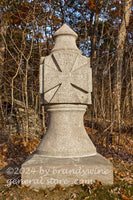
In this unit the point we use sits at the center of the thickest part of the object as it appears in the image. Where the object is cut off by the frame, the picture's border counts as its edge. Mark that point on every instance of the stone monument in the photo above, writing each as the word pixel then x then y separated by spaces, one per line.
pixel 66 155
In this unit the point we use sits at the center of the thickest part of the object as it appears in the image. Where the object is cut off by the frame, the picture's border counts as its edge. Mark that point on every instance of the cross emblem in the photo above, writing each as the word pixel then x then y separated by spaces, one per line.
pixel 66 78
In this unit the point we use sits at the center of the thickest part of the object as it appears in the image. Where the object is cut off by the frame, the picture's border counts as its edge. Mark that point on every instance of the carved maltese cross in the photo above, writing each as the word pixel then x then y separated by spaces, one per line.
pixel 67 78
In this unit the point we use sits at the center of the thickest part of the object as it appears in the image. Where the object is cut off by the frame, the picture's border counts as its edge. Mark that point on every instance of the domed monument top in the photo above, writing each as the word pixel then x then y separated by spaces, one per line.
pixel 65 39
pixel 65 30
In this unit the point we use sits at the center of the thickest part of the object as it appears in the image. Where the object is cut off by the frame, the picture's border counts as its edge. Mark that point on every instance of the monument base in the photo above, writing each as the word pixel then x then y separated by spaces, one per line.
pixel 44 172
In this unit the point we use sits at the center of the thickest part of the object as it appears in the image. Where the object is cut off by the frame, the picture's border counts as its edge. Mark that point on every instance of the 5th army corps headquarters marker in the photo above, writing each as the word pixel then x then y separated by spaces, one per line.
pixel 66 155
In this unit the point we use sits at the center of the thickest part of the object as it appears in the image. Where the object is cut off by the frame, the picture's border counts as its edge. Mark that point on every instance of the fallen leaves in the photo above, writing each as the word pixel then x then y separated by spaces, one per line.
pixel 126 198
pixel 17 150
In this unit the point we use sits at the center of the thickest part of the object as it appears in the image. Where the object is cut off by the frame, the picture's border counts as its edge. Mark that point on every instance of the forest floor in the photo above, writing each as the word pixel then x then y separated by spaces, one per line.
pixel 13 153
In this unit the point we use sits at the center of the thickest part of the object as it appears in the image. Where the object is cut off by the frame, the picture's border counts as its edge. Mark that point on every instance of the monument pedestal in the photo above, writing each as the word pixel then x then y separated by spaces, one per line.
pixel 66 154
pixel 66 135
pixel 42 172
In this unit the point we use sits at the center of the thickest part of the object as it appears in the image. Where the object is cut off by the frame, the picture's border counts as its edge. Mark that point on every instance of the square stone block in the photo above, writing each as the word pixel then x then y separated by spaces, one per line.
pixel 45 172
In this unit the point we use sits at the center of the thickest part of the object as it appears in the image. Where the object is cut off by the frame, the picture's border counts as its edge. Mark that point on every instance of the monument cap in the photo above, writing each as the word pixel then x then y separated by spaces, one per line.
pixel 65 30
pixel 65 39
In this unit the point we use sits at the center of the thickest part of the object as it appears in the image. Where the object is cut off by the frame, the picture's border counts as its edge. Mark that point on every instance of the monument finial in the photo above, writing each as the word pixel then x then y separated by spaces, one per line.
pixel 65 39
pixel 65 30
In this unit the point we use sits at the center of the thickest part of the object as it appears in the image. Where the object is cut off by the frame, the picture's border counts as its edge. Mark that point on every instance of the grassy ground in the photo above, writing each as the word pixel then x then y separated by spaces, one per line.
pixel 15 151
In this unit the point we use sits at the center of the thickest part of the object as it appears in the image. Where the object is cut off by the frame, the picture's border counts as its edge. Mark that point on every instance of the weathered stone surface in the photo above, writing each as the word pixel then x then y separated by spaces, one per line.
pixel 66 154
pixel 65 39
pixel 41 172
pixel 65 75
pixel 66 135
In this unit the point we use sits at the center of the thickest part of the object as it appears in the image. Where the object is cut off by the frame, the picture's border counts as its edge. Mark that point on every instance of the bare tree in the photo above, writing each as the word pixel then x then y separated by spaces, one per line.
pixel 127 4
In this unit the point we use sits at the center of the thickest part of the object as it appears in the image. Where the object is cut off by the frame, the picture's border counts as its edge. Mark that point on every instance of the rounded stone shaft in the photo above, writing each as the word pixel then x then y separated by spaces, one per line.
pixel 66 135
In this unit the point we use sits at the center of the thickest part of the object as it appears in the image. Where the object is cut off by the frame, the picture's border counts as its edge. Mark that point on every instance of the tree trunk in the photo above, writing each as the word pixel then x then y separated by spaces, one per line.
pixel 93 63
pixel 2 49
pixel 26 102
pixel 3 29
pixel 119 54
pixel 131 72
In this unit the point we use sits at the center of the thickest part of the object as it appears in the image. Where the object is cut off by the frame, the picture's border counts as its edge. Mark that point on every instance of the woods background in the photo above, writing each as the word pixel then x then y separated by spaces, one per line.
pixel 105 30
